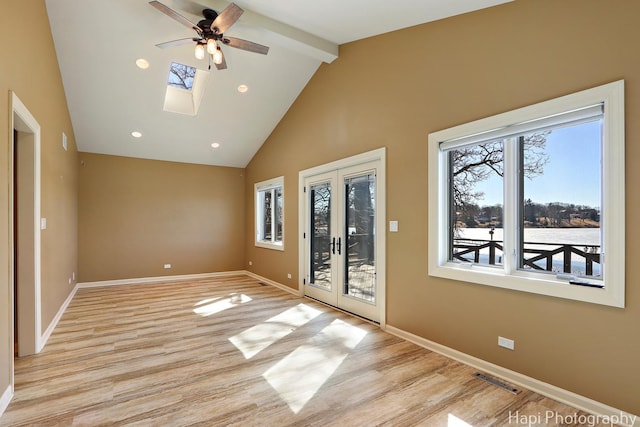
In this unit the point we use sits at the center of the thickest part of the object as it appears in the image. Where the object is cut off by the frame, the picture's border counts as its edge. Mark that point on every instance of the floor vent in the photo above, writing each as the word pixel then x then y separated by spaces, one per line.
pixel 496 382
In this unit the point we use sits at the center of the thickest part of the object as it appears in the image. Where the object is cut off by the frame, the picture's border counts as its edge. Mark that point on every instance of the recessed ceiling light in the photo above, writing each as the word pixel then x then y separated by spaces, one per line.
pixel 142 63
pixel 215 145
pixel 243 88
pixel 136 134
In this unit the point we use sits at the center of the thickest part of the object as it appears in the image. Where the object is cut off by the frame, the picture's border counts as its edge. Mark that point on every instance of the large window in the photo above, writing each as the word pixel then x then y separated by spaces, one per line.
pixel 533 199
pixel 270 213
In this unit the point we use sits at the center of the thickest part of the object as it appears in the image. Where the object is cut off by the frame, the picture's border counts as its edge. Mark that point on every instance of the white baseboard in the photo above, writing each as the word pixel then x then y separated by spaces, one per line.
pixel 272 283
pixel 140 280
pixel 47 333
pixel 5 399
pixel 556 393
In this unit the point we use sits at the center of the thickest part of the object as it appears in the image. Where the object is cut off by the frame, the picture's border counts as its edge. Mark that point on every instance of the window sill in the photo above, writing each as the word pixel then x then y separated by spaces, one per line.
pixel 267 245
pixel 524 282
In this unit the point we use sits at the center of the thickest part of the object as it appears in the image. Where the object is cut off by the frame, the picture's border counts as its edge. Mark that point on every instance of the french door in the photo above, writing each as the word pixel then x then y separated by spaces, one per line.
pixel 342 230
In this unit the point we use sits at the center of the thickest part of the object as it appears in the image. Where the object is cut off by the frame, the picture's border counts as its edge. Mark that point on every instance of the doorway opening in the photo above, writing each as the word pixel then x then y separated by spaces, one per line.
pixel 25 234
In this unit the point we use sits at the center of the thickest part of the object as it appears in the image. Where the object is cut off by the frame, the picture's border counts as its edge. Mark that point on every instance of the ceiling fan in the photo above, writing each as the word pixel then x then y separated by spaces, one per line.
pixel 210 33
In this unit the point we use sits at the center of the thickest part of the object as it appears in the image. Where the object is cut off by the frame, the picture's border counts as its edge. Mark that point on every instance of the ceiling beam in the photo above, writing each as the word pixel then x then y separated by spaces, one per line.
pixel 293 38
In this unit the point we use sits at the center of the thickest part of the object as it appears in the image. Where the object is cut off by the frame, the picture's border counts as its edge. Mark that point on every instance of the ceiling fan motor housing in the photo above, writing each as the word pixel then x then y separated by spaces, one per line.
pixel 209 14
pixel 205 25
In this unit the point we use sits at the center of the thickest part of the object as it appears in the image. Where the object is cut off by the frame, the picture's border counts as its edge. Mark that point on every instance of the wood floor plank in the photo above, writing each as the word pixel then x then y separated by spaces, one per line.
pixel 231 351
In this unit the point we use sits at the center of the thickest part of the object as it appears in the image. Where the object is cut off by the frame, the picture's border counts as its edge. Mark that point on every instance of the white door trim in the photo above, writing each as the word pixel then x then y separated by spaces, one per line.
pixel 369 156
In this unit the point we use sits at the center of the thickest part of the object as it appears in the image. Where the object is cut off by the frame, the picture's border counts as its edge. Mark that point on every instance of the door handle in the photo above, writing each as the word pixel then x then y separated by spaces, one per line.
pixel 333 246
pixel 339 245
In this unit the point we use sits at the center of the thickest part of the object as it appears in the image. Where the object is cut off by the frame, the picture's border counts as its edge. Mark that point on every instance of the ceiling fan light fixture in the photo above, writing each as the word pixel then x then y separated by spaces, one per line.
pixel 217 56
pixel 212 46
pixel 199 51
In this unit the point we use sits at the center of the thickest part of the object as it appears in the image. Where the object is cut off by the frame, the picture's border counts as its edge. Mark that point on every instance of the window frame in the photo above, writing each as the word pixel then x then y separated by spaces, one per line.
pixel 259 189
pixel 611 95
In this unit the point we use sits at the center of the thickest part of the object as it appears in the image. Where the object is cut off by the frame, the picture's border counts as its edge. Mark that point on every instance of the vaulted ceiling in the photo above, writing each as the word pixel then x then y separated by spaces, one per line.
pixel 98 42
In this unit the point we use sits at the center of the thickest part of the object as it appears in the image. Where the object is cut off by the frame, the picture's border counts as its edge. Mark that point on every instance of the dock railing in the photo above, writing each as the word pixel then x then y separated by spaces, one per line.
pixel 537 255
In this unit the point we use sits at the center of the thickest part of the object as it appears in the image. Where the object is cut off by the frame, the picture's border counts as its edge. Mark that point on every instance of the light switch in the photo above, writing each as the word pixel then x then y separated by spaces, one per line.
pixel 393 226
pixel 43 223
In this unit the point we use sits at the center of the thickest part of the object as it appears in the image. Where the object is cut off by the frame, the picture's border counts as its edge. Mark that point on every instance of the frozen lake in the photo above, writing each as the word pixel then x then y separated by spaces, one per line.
pixel 567 236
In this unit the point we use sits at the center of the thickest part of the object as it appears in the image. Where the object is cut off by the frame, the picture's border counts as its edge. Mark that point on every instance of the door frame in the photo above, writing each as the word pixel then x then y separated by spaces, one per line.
pixel 29 304
pixel 378 155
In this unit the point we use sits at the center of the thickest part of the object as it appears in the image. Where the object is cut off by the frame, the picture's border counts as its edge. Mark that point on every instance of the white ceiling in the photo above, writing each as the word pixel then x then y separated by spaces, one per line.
pixel 98 41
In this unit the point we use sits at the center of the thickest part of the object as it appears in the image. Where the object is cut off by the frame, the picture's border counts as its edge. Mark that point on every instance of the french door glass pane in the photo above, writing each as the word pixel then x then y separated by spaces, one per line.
pixel 359 237
pixel 561 187
pixel 320 197
pixel 475 203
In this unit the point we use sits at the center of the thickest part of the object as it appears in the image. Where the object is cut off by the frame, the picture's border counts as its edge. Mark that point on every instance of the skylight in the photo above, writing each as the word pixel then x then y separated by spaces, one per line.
pixel 185 89
pixel 181 76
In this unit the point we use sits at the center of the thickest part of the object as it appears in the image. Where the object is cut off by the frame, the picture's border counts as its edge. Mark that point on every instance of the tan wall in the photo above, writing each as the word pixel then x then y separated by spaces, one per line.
pixel 30 69
pixel 137 215
pixel 392 91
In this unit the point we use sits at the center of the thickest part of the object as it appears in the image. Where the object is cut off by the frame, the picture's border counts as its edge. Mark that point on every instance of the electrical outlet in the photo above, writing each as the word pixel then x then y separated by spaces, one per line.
pixel 250 262
pixel 289 276
pixel 167 266
pixel 506 343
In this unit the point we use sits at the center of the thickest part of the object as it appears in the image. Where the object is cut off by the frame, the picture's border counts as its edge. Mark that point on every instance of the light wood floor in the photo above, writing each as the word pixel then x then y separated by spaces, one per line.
pixel 231 351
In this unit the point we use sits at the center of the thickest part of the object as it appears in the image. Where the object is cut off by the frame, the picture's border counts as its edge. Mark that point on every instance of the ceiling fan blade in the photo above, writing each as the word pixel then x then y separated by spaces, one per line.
pixel 174 43
pixel 226 18
pixel 222 65
pixel 175 16
pixel 245 45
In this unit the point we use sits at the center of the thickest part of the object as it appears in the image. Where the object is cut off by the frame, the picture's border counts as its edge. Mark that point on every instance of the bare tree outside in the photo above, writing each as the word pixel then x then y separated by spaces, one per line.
pixel 181 75
pixel 471 165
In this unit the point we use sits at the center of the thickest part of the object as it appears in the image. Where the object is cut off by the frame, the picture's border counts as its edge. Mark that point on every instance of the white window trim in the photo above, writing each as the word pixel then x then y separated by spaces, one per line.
pixel 613 202
pixel 262 186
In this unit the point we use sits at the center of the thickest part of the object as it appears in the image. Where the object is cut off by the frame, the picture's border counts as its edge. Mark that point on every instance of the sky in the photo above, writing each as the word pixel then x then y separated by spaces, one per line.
pixel 572 174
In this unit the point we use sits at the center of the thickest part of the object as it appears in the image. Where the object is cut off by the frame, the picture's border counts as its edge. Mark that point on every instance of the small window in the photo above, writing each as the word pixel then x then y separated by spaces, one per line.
pixel 533 199
pixel 270 213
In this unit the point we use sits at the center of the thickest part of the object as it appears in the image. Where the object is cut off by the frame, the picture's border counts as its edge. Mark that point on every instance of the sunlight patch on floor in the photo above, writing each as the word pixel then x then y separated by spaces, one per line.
pixel 255 339
pixel 456 422
pixel 300 375
pixel 216 305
